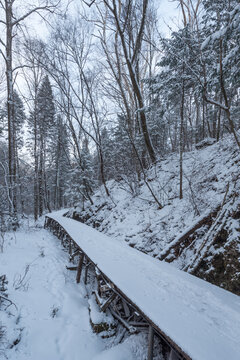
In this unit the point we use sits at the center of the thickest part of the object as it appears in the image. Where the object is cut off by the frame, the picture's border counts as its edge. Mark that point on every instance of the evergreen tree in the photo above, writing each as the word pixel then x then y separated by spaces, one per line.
pixel 43 130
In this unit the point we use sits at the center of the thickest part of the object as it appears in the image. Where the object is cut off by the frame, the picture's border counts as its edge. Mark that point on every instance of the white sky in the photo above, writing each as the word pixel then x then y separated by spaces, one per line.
pixel 168 14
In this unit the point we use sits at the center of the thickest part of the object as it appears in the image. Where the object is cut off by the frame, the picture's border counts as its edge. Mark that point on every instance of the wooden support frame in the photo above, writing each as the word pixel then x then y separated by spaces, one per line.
pixel 130 328
pixel 126 308
pixel 173 355
pixel 79 269
pixel 139 324
pixel 86 272
pixel 71 268
pixel 106 304
pixel 150 342
pixel 176 353
pixel 71 257
pixel 70 248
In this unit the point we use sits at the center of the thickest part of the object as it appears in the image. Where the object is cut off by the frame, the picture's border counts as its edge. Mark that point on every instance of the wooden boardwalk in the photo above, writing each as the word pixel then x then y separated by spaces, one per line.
pixel 194 319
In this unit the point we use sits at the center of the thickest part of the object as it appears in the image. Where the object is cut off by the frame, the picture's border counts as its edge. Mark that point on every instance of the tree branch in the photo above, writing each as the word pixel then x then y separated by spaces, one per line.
pixel 46 7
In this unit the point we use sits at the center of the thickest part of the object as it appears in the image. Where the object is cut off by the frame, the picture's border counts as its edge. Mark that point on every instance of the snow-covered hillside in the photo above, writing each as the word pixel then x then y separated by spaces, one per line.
pixel 211 180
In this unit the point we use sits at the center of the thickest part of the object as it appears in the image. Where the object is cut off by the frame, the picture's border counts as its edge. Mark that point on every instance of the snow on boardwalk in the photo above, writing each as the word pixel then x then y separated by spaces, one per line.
pixel 204 320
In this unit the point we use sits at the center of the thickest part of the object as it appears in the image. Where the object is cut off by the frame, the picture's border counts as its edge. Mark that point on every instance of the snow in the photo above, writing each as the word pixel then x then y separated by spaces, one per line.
pixel 52 315
pixel 202 318
pixel 136 219
pixel 97 316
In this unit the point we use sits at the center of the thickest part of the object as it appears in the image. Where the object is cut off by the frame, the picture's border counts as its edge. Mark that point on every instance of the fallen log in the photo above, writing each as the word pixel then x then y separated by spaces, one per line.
pixel 205 219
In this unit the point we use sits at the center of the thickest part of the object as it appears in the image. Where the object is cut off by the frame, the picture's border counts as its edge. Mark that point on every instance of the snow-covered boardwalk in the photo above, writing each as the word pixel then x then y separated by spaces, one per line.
pixel 199 320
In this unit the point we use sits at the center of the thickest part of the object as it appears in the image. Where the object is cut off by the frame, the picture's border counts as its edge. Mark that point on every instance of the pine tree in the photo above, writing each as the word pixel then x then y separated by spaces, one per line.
pixel 43 130
pixel 60 164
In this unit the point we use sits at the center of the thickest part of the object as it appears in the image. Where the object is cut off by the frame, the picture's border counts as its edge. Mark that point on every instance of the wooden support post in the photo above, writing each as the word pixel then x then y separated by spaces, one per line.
pixel 70 248
pixel 173 355
pixel 79 269
pixel 150 342
pixel 126 309
pixel 138 324
pixel 130 328
pixel 75 253
pixel 108 302
pixel 86 273
pixel 71 268
pixel 62 237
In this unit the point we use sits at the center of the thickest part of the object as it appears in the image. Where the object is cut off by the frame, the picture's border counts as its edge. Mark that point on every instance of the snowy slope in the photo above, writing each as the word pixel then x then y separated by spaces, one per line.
pixel 136 219
pixel 201 318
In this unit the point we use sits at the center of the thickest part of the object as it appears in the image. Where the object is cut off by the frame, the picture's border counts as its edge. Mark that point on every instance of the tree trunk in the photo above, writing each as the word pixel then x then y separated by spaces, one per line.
pixel 181 141
pixel 10 109
pixel 133 77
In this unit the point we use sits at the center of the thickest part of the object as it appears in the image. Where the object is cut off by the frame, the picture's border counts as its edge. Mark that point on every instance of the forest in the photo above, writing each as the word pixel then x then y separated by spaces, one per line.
pixel 125 116
pixel 105 96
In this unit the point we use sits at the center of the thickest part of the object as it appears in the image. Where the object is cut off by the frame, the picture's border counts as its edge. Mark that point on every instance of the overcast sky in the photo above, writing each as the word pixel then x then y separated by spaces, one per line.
pixel 168 14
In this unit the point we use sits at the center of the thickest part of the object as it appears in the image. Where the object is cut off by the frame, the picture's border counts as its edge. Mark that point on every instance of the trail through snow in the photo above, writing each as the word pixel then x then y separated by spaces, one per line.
pixel 48 289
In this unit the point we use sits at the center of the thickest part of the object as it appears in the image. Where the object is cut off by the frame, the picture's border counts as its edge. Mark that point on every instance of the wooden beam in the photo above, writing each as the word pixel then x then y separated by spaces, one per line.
pixel 79 269
pixel 71 267
pixel 86 272
pixel 74 254
pixel 98 298
pixel 130 328
pixel 173 355
pixel 139 324
pixel 126 308
pixel 108 302
pixel 70 248
pixel 150 342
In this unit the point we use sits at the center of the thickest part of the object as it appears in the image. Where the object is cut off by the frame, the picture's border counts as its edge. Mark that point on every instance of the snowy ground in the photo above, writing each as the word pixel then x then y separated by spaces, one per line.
pixel 52 318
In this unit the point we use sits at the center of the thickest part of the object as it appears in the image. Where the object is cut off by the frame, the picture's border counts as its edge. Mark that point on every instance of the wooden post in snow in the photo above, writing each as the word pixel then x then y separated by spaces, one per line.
pixel 150 342
pixel 70 248
pixel 86 272
pixel 79 269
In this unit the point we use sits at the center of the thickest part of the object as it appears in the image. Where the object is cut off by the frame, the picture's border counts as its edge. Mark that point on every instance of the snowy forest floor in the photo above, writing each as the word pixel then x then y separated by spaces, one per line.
pixel 51 320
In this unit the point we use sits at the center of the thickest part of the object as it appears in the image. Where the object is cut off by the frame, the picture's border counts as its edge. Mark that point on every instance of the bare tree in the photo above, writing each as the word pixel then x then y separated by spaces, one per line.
pixel 129 22
pixel 11 24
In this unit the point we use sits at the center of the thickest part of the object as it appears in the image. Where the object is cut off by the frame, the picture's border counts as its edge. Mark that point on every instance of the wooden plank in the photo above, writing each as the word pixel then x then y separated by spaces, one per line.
pixel 150 342
pixel 79 269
